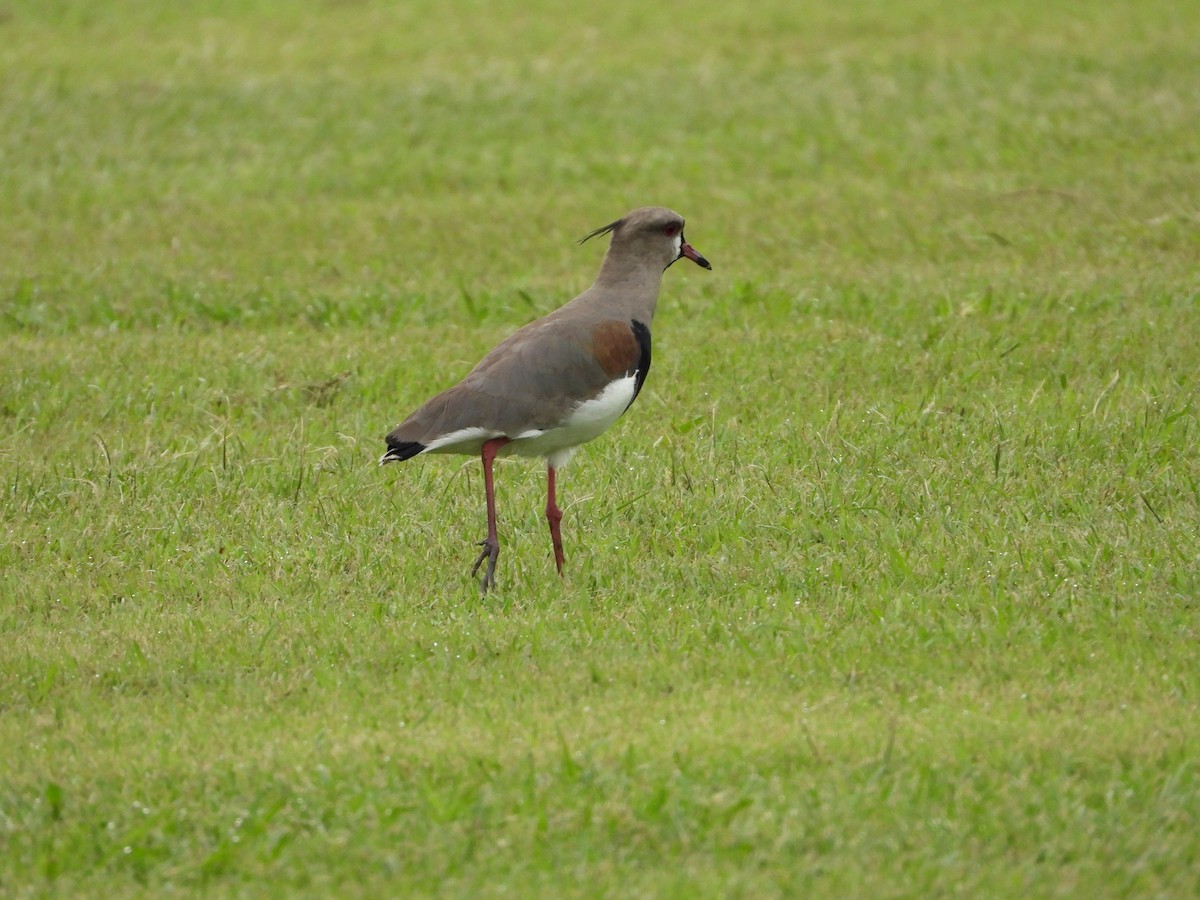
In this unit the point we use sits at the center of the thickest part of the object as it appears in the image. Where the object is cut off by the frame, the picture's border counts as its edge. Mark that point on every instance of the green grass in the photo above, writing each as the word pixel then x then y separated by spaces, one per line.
pixel 886 586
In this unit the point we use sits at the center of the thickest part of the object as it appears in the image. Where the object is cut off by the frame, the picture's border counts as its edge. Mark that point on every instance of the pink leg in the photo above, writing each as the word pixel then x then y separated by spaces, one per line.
pixel 490 544
pixel 554 517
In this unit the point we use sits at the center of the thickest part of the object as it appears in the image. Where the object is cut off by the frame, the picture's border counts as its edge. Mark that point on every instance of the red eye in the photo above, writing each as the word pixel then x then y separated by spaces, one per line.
pixel 671 230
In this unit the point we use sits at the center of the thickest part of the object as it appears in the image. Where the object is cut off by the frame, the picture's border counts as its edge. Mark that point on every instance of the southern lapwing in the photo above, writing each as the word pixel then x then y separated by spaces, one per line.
pixel 560 381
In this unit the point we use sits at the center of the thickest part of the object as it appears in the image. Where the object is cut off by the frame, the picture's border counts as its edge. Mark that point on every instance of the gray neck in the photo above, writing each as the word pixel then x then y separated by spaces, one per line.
pixel 630 291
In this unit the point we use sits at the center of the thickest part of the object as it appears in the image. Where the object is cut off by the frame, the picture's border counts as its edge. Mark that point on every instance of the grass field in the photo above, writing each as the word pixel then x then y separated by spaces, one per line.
pixel 885 587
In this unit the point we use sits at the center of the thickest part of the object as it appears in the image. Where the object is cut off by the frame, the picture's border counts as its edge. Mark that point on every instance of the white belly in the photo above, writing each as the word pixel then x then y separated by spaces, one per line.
pixel 587 422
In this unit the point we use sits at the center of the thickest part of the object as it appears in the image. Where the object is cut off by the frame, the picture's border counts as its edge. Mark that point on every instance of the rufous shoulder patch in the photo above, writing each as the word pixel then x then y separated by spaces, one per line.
pixel 616 348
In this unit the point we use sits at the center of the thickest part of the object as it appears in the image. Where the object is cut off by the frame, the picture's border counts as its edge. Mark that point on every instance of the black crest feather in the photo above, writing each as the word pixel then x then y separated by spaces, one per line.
pixel 599 231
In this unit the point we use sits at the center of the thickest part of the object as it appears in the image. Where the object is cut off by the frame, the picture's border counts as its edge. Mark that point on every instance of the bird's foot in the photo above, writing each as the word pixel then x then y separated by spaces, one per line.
pixel 490 552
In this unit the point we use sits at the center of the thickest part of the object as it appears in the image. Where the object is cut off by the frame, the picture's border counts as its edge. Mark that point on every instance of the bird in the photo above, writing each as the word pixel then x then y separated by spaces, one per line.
pixel 560 381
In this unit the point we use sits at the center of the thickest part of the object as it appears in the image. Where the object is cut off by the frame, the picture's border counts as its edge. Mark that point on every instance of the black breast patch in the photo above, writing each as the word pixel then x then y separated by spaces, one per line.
pixel 641 333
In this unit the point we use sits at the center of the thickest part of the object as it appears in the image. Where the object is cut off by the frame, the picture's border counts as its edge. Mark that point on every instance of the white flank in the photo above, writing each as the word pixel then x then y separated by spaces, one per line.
pixel 460 441
pixel 587 421
pixel 592 418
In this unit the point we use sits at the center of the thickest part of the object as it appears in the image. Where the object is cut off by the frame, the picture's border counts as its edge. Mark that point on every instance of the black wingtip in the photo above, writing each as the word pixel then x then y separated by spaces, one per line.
pixel 401 451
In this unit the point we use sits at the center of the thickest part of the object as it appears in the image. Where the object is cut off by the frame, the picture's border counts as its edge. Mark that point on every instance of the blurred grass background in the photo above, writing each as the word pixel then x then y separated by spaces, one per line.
pixel 886 586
